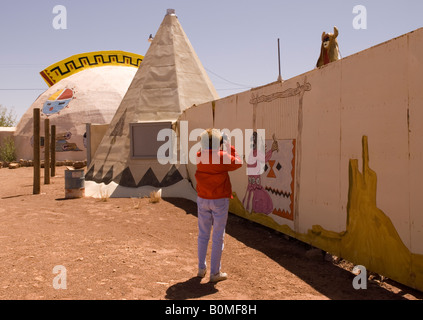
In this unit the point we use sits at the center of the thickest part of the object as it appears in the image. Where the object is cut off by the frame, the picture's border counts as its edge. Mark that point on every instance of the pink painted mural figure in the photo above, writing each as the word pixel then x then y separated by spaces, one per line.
pixel 261 201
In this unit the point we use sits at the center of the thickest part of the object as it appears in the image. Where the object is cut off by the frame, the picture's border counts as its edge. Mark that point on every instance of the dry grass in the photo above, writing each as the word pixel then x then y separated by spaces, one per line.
pixel 155 196
pixel 136 202
pixel 104 195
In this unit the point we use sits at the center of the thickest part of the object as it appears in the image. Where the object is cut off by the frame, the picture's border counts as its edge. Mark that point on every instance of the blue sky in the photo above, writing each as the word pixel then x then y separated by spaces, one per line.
pixel 236 40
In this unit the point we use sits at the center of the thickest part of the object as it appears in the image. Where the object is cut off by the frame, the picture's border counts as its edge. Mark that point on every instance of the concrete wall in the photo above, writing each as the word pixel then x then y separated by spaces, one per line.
pixel 6 132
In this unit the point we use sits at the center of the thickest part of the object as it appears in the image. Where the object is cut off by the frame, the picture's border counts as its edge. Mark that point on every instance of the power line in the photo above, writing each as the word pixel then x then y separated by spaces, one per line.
pixel 229 81
pixel 240 86
pixel 16 89
pixel 22 65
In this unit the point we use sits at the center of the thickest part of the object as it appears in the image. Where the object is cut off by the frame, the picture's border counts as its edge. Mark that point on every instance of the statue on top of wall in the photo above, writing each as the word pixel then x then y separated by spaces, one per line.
pixel 329 51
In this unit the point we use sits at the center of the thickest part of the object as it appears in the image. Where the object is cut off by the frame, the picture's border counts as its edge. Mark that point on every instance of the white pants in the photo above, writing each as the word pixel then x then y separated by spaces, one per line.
pixel 211 213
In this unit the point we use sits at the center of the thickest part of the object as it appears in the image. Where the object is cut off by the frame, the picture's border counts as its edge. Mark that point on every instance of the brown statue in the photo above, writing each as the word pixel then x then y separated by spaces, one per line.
pixel 329 51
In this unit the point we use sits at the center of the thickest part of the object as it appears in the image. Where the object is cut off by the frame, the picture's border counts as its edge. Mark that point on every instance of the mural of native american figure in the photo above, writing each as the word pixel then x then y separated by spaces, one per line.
pixel 261 201
pixel 271 172
pixel 278 180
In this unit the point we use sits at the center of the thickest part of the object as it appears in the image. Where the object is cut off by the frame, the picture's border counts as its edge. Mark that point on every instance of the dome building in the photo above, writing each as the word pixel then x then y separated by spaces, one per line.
pixel 85 88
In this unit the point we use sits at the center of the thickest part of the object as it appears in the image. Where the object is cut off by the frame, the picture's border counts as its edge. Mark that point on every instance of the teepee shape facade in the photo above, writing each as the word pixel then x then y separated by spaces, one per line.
pixel 170 79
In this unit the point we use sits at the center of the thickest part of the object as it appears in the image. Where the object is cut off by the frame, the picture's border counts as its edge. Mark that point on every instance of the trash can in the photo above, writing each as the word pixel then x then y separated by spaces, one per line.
pixel 74 183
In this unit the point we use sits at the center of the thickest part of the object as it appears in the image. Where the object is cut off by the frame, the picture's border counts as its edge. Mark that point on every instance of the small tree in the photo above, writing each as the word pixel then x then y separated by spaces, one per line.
pixel 7 117
pixel 7 146
pixel 7 150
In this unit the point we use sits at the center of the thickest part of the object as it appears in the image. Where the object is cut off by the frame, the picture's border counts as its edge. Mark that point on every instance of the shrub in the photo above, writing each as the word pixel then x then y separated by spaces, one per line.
pixel 7 118
pixel 7 150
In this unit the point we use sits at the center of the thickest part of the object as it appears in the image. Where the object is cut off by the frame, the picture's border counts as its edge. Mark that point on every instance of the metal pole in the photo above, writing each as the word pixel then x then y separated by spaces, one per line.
pixel 53 151
pixel 37 162
pixel 279 60
pixel 46 151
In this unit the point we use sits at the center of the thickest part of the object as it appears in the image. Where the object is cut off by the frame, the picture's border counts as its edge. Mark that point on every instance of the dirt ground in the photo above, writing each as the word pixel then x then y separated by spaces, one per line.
pixel 133 249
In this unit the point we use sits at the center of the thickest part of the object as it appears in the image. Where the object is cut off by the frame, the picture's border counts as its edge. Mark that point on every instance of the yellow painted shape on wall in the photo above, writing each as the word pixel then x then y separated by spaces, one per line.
pixel 83 61
pixel 370 238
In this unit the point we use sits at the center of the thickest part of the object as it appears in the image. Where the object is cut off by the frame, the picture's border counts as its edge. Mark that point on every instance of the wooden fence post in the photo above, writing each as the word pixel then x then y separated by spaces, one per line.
pixel 53 150
pixel 36 142
pixel 46 151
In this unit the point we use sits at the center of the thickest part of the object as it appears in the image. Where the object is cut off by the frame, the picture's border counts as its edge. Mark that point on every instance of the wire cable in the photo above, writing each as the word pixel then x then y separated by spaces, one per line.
pixel 16 89
pixel 234 83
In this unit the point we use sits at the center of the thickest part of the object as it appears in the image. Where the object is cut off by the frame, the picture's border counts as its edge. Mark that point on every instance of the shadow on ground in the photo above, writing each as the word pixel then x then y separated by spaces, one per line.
pixel 190 289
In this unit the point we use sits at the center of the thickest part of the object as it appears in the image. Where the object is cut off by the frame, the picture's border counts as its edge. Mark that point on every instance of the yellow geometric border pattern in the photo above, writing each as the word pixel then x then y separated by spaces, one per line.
pixel 79 62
